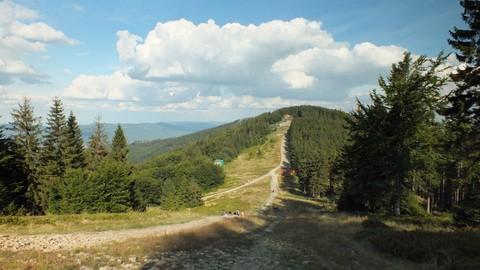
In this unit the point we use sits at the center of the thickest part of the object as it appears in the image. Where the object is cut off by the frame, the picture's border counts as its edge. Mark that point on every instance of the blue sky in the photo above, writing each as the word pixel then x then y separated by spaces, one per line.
pixel 253 56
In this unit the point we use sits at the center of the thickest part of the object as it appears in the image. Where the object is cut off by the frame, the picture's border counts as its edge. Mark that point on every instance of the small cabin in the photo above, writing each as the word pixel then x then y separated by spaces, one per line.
pixel 219 162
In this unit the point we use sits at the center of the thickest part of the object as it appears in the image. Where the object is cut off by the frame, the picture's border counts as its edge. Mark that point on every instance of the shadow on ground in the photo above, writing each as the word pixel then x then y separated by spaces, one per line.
pixel 293 234
pixel 297 233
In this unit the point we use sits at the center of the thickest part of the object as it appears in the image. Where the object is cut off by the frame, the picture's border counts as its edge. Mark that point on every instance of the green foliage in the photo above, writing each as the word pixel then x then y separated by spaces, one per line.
pixel 55 145
pixel 222 142
pixel 462 120
pixel 12 179
pixel 75 150
pixel 468 212
pixel 107 189
pixel 392 146
pixel 315 138
pixel 74 193
pixel 26 132
pixel 180 193
pixel 119 150
pixel 169 172
pixel 412 205
pixel 97 144
pixel 112 187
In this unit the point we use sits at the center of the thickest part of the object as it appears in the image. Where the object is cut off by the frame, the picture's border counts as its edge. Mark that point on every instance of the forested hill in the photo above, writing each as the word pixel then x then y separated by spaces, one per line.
pixel 140 151
pixel 150 131
pixel 222 142
pixel 315 139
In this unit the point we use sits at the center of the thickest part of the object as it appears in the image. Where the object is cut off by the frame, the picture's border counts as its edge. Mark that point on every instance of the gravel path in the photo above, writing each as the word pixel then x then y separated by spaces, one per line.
pixel 54 242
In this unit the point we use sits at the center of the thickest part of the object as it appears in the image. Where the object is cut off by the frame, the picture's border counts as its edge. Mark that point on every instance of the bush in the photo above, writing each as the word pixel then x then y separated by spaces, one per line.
pixel 107 189
pixel 180 193
pixel 468 212
pixel 412 205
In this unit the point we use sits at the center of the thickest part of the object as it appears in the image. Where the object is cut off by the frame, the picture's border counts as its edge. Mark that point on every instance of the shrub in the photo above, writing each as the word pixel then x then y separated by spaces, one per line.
pixel 412 205
pixel 468 212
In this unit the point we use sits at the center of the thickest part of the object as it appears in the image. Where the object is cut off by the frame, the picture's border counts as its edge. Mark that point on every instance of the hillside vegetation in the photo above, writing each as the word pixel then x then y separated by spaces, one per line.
pixel 315 140
pixel 46 172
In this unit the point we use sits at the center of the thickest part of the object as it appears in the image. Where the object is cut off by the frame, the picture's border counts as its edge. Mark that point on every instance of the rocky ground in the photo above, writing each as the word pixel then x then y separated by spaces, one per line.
pixel 54 242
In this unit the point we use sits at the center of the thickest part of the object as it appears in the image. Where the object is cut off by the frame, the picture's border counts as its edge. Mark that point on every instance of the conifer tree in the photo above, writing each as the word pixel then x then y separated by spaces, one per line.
pixel 119 150
pixel 75 150
pixel 462 146
pixel 393 140
pixel 97 145
pixel 55 146
pixel 12 178
pixel 463 109
pixel 26 131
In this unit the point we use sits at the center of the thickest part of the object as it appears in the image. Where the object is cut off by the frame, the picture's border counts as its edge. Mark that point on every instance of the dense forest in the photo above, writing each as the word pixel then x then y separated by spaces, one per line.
pixel 413 149
pixel 52 170
pixel 315 138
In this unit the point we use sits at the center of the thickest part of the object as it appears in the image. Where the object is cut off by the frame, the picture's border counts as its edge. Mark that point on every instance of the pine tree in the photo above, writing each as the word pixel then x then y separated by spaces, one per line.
pixel 462 146
pixel 119 150
pixel 75 150
pixel 26 131
pixel 97 145
pixel 12 178
pixel 393 148
pixel 463 110
pixel 55 146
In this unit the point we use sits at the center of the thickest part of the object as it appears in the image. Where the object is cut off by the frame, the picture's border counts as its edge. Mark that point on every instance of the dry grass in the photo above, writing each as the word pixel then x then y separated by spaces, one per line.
pixel 254 161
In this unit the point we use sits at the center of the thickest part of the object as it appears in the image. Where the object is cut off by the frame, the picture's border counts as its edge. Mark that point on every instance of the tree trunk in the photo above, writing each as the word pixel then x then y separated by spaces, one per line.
pixel 428 205
pixel 396 207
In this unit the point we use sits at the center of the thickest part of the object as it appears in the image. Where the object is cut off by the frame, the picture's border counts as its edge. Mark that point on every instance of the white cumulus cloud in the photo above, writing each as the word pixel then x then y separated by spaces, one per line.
pixel 179 64
pixel 19 37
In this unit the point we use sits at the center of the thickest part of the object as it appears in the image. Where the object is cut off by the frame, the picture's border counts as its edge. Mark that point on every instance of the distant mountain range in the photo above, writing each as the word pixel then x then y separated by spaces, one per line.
pixel 147 131
pixel 150 131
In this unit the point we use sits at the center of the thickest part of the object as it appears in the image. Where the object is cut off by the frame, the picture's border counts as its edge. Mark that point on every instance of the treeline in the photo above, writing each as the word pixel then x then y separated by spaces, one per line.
pixel 47 169
pixel 315 138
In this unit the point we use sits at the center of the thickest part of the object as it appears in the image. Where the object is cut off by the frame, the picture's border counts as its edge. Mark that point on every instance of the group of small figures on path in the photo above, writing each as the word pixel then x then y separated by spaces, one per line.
pixel 236 213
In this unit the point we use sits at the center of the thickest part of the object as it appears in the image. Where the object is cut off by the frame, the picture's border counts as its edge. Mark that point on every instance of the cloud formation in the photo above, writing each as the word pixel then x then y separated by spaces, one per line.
pixel 180 64
pixel 20 36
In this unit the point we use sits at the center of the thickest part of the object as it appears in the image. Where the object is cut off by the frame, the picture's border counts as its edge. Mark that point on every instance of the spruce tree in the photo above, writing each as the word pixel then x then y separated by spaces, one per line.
pixel 462 146
pixel 12 178
pixel 463 109
pixel 26 130
pixel 97 144
pixel 119 150
pixel 55 146
pixel 393 148
pixel 75 150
